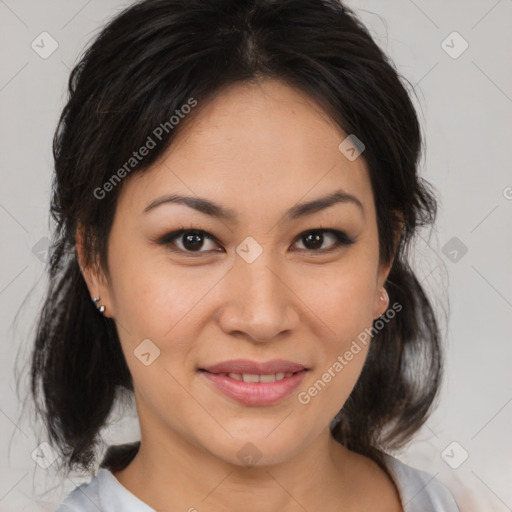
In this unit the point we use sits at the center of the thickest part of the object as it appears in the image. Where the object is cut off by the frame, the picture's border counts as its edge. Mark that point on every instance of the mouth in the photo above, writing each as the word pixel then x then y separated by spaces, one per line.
pixel 255 389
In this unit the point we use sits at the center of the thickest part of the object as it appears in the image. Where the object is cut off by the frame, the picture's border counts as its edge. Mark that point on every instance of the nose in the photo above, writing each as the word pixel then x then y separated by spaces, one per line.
pixel 260 304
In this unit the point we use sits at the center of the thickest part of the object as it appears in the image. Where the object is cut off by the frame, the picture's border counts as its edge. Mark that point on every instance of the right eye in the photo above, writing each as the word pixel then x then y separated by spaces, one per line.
pixel 188 241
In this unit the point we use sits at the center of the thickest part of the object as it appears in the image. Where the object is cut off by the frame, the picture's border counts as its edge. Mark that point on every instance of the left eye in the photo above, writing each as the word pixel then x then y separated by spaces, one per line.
pixel 315 239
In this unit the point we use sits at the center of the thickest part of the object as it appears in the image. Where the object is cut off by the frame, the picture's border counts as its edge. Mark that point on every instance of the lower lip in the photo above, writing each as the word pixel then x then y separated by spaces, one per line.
pixel 255 393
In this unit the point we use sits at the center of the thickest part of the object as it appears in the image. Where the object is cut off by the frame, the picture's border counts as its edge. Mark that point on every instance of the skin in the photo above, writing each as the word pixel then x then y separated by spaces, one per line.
pixel 258 149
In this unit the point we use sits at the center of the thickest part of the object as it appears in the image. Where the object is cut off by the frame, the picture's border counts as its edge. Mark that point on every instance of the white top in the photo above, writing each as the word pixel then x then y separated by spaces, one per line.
pixel 419 492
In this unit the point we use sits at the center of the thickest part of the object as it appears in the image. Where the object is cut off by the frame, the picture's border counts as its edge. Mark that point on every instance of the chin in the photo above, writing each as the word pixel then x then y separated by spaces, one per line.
pixel 256 450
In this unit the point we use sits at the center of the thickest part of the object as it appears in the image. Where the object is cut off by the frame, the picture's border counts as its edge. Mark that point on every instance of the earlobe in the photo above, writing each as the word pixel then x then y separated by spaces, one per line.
pixel 382 303
pixel 93 278
pixel 381 295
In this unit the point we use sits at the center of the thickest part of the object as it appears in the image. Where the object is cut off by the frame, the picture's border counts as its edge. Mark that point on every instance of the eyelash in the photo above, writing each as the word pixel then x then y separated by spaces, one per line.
pixel 341 239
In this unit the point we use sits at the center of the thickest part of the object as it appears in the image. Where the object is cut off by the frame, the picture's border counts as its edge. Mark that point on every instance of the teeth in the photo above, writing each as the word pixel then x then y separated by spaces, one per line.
pixel 251 377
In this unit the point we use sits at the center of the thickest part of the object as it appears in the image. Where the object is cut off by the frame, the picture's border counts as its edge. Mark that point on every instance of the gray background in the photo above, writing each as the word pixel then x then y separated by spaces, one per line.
pixel 465 105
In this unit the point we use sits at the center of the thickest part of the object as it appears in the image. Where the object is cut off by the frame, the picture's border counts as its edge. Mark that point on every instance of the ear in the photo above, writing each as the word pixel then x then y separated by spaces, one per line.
pixel 381 299
pixel 94 277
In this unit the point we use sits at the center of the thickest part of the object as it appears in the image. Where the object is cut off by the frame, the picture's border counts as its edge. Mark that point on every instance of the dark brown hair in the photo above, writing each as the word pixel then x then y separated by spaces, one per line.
pixel 143 67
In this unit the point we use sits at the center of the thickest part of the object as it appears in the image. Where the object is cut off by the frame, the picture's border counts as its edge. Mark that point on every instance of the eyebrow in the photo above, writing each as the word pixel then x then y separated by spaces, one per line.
pixel 221 212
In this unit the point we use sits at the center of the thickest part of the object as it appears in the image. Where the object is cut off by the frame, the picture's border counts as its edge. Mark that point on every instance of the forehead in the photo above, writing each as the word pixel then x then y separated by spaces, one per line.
pixel 259 142
pixel 254 114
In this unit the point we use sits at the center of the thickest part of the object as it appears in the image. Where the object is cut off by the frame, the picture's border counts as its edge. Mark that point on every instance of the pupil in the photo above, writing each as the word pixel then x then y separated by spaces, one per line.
pixel 315 238
pixel 193 241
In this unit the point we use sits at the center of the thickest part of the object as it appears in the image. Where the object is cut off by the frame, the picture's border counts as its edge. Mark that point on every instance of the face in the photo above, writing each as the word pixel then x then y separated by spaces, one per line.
pixel 256 277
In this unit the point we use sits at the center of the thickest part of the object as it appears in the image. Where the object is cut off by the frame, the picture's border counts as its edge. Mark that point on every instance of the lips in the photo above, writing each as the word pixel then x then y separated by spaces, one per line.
pixel 254 393
pixel 245 366
pixel 255 383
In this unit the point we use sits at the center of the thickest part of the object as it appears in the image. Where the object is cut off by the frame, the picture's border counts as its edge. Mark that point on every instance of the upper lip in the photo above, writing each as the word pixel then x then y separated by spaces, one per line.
pixel 254 367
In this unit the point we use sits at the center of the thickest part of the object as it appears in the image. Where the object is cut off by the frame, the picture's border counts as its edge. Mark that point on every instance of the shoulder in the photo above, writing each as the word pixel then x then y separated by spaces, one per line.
pixel 102 493
pixel 83 498
pixel 418 489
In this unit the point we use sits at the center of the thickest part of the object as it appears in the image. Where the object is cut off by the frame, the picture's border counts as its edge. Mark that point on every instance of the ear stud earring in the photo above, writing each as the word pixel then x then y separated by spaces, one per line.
pixel 101 308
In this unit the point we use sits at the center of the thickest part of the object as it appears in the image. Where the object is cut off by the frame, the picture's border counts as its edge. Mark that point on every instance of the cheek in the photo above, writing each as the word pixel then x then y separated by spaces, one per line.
pixel 346 309
pixel 342 299
pixel 156 313
pixel 156 297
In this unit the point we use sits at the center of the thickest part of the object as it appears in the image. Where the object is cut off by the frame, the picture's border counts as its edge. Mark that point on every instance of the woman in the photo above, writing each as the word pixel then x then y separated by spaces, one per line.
pixel 235 193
